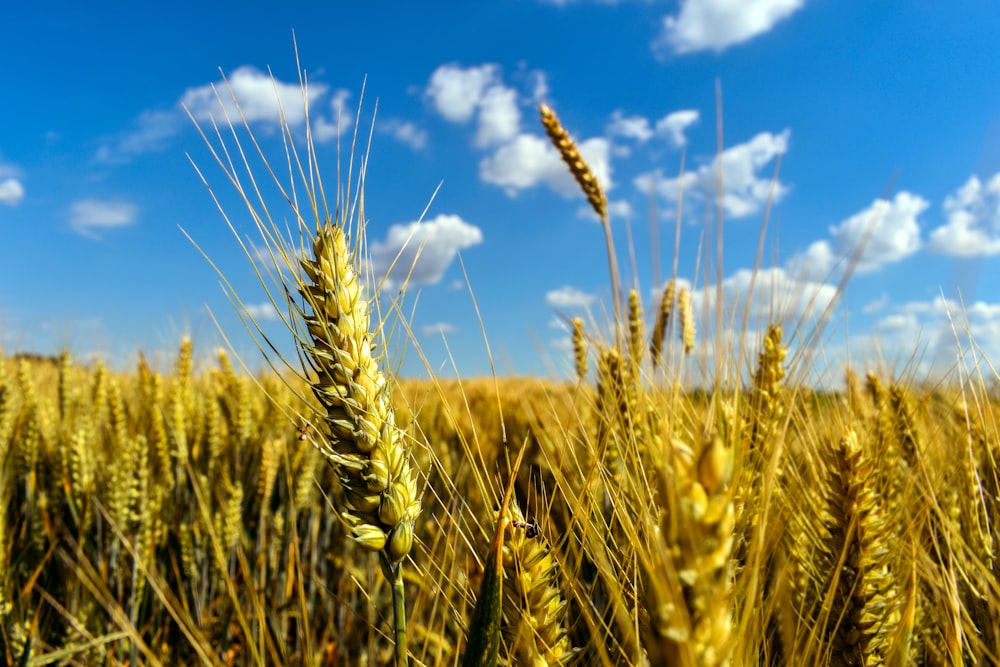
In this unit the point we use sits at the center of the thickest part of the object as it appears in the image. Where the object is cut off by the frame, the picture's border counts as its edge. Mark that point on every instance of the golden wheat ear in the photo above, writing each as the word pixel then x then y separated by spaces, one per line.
pixel 317 285
pixel 578 166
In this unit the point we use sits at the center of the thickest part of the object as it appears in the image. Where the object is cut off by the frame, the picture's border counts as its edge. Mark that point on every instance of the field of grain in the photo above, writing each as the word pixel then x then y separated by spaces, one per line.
pixel 333 514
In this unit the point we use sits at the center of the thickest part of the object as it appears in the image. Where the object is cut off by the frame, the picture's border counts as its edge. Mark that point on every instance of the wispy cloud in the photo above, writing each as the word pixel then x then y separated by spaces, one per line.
pixel 876 306
pixel 745 189
pixel 638 128
pixel 89 217
pixel 263 312
pixel 405 132
pixel 778 295
pixel 246 93
pixel 151 131
pixel 629 127
pixel 569 297
pixel 673 125
pixel 715 25
pixel 437 329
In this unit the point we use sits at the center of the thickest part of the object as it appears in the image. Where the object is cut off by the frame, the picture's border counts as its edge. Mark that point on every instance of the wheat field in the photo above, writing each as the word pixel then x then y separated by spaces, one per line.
pixel 326 512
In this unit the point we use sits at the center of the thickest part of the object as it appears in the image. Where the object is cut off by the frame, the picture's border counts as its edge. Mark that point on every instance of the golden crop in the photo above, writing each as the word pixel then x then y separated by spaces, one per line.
pixel 204 516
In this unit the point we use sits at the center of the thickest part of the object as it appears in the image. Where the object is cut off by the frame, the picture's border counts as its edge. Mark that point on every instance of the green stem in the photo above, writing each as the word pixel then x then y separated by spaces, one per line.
pixel 399 612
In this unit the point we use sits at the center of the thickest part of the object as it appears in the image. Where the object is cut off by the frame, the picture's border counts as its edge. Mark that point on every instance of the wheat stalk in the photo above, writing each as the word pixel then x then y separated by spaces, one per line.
pixel 356 429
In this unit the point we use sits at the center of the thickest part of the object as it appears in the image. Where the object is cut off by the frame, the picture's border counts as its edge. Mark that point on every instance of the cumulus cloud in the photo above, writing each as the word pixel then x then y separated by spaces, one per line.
pixel 777 295
pixel 405 132
pixel 876 306
pixel 88 217
pixel 427 247
pixel 885 232
pixel 744 189
pixel 260 99
pixel 258 96
pixel 11 191
pixel 943 325
pixel 715 25
pixel 499 116
pixel 569 297
pixel 341 118
pixel 629 127
pixel 530 160
pixel 517 161
pixel 673 125
pixel 973 226
pixel 263 312
pixel 459 93
pixel 456 92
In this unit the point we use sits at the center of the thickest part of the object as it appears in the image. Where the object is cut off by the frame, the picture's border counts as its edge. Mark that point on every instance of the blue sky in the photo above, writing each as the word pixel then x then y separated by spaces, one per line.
pixel 885 116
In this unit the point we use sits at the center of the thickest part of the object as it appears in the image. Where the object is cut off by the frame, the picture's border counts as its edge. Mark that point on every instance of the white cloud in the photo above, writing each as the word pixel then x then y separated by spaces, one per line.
pixel 263 312
pixel 427 247
pixel 630 127
pixel 405 132
pixel 973 226
pixel 703 25
pixel 876 306
pixel 341 118
pixel 778 296
pixel 818 261
pixel 886 232
pixel 260 98
pixel 11 191
pixel 744 190
pixel 456 92
pixel 499 116
pixel 898 323
pixel 569 297
pixel 539 86
pixel 940 326
pixel 530 160
pixel 673 125
pixel 437 329
pixel 152 130
pixel 89 216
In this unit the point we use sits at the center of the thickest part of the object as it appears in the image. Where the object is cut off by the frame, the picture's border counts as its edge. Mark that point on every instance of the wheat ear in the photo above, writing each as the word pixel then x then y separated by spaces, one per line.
pixel 361 436
pixel 592 190
pixel 577 165
pixel 579 349
pixel 662 321
pixel 357 431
